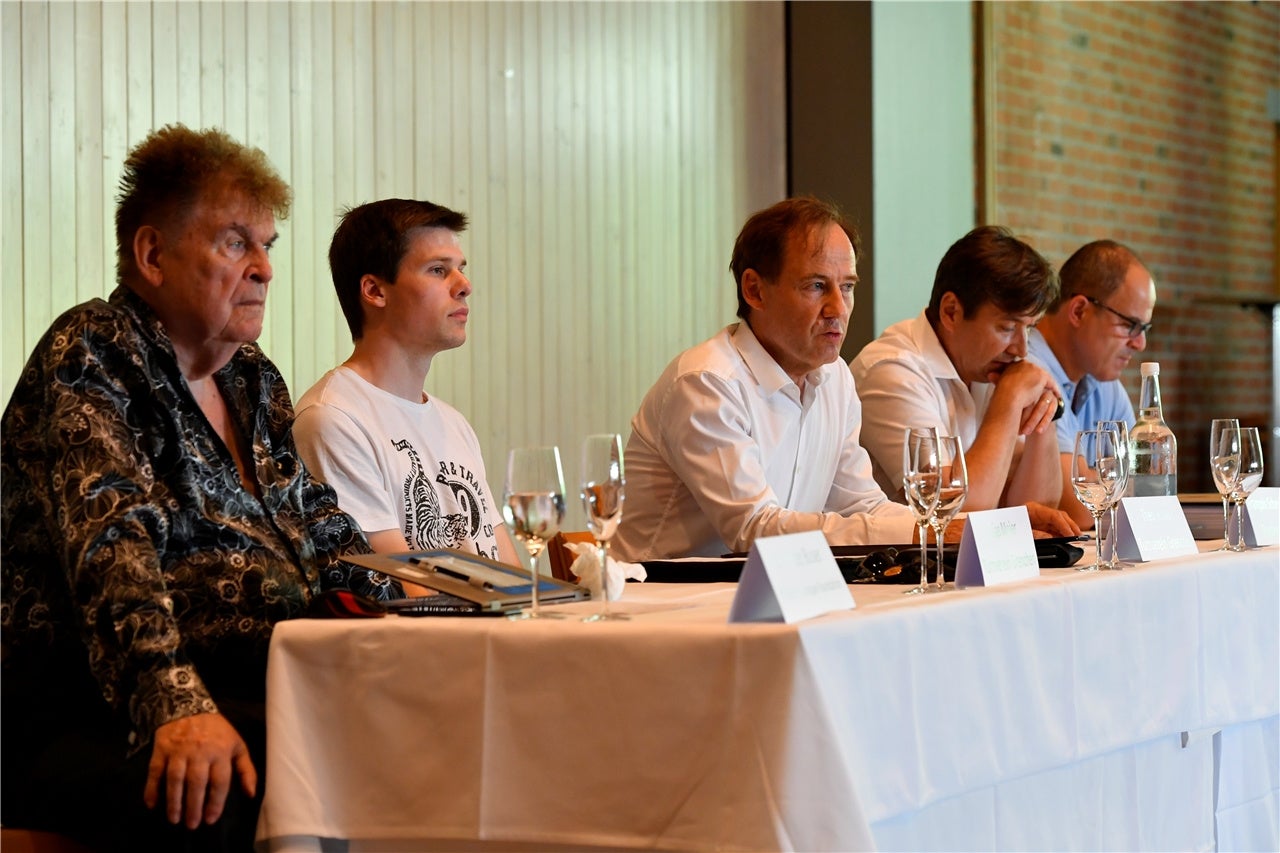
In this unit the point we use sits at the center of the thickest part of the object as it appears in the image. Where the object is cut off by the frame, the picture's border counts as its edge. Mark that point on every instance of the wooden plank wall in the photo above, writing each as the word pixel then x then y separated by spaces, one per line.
pixel 607 154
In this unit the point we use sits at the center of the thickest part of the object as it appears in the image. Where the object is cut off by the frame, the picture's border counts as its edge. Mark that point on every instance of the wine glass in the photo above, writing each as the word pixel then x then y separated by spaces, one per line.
pixel 603 485
pixel 1121 429
pixel 1250 478
pixel 953 488
pixel 1224 461
pixel 1095 471
pixel 920 485
pixel 534 507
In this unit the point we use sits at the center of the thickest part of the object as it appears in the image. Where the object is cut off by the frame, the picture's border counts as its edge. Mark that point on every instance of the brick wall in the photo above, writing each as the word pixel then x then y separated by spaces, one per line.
pixel 1146 123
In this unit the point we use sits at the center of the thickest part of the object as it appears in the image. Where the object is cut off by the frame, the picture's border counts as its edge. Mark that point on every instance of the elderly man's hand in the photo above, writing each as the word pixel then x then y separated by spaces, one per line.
pixel 195 758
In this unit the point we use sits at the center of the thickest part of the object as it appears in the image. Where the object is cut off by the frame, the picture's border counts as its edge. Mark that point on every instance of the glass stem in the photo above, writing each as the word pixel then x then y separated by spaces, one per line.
pixel 924 555
pixel 1239 525
pixel 1113 539
pixel 534 550
pixel 1226 520
pixel 942 578
pixel 604 577
pixel 1097 541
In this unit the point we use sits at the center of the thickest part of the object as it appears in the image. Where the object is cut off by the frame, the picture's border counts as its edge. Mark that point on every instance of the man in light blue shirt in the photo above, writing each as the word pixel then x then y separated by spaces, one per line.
pixel 1085 341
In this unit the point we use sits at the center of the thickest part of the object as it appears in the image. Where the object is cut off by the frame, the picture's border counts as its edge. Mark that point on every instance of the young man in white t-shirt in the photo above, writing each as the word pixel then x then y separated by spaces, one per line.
pixel 405 465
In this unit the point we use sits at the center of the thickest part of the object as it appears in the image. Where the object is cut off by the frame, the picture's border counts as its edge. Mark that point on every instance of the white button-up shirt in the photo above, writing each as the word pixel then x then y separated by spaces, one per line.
pixel 906 379
pixel 725 448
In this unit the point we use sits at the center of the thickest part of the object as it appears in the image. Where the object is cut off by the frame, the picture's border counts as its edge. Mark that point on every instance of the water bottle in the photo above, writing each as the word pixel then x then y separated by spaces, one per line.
pixel 1153 449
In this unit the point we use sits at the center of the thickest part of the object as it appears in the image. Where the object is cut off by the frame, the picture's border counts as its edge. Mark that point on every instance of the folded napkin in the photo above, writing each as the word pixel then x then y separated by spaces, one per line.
pixel 586 566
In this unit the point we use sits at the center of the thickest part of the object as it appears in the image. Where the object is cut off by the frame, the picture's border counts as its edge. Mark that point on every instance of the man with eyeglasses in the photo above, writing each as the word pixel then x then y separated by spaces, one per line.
pixel 1087 339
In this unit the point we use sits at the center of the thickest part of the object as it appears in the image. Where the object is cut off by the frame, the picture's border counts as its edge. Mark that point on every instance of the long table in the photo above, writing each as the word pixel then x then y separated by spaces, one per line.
pixel 1134 710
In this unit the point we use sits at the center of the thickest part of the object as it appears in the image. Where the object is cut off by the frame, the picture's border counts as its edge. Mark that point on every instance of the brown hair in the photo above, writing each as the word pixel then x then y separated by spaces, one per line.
pixel 1096 269
pixel 762 243
pixel 372 239
pixel 165 175
pixel 989 264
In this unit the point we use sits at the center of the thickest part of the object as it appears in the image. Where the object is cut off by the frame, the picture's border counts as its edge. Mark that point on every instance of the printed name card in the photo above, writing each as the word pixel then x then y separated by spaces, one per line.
pixel 1153 527
pixel 997 547
pixel 1262 518
pixel 789 578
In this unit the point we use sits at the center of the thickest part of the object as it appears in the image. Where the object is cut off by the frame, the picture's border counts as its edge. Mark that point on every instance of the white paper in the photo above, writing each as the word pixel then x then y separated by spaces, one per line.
pixel 789 578
pixel 997 547
pixel 1262 517
pixel 1153 527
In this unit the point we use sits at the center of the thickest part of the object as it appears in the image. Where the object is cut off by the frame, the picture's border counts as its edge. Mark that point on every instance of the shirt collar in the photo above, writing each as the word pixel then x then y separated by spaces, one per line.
pixel 148 323
pixel 763 367
pixel 1076 393
pixel 931 348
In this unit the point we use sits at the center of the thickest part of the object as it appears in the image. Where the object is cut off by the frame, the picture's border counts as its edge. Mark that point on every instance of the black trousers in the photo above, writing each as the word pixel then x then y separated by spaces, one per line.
pixel 78 779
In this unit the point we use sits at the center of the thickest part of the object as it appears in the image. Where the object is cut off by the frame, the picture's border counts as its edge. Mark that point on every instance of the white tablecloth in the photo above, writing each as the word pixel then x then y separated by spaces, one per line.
pixel 1131 710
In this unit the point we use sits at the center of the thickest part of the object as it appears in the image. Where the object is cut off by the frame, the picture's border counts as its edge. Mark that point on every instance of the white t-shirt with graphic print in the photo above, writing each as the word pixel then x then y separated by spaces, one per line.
pixel 398 464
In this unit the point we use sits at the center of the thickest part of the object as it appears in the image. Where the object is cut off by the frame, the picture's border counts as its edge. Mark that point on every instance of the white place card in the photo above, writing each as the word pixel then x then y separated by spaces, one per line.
pixel 1262 518
pixel 788 578
pixel 1153 527
pixel 997 547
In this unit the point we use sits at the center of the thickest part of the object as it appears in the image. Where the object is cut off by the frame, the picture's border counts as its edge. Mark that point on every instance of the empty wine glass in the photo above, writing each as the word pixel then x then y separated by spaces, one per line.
pixel 1095 471
pixel 920 485
pixel 534 507
pixel 603 485
pixel 1121 429
pixel 1224 461
pixel 1250 478
pixel 953 488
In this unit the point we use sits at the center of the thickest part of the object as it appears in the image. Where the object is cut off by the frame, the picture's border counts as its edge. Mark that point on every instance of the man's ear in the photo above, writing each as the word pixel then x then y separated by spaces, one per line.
pixel 373 291
pixel 752 287
pixel 148 243
pixel 950 311
pixel 1075 308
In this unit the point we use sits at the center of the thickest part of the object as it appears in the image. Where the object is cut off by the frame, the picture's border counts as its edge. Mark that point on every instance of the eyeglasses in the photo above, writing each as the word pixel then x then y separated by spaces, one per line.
pixel 1136 326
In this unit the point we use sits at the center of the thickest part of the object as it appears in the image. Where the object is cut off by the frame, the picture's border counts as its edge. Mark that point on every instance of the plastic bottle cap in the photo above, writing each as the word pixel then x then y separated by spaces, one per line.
pixel 1150 368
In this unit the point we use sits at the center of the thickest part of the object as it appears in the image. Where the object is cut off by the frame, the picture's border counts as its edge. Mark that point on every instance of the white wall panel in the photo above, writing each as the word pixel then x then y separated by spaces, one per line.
pixel 12 227
pixel 607 154
pixel 40 300
pixel 94 245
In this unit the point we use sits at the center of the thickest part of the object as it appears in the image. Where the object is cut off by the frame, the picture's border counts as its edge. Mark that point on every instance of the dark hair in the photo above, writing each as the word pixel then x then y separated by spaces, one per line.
pixel 372 239
pixel 989 264
pixel 762 243
pixel 165 175
pixel 1096 269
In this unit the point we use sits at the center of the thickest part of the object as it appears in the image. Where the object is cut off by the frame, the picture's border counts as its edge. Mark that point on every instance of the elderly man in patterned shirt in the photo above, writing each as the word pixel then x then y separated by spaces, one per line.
pixel 157 521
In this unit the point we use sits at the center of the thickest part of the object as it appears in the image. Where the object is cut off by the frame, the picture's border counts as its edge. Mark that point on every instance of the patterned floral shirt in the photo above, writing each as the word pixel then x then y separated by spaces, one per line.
pixel 130 544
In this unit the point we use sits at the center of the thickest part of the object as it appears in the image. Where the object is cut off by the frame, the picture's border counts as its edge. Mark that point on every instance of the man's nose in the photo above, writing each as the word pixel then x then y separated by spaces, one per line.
pixel 1019 345
pixel 260 267
pixel 835 305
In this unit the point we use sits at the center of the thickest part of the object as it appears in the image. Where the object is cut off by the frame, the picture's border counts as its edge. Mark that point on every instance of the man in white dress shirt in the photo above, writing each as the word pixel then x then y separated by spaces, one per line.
pixel 755 431
pixel 1087 340
pixel 405 465
pixel 959 367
